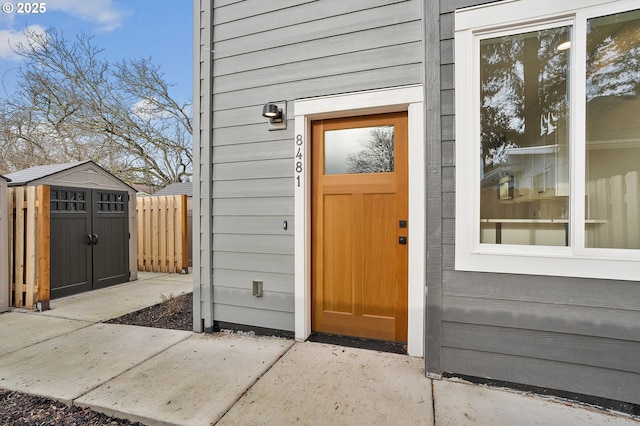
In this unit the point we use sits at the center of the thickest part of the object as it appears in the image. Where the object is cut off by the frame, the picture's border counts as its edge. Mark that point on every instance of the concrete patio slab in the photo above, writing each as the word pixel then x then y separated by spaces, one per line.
pixel 460 403
pixel 112 302
pixel 316 383
pixel 192 383
pixel 17 329
pixel 68 366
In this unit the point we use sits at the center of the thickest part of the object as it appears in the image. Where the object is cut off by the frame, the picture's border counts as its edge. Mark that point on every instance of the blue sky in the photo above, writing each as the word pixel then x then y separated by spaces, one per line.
pixel 160 29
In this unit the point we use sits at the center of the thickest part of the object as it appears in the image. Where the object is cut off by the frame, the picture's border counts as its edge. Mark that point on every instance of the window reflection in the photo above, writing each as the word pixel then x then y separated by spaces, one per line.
pixel 524 156
pixel 613 131
pixel 359 150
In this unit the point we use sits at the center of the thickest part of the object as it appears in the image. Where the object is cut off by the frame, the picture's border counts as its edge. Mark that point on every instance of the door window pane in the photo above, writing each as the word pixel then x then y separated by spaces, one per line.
pixel 613 131
pixel 360 150
pixel 524 156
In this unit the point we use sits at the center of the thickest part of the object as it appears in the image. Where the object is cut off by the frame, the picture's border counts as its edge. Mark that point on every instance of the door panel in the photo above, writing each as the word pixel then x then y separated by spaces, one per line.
pixel 111 253
pixel 359 269
pixel 338 289
pixel 70 253
pixel 378 255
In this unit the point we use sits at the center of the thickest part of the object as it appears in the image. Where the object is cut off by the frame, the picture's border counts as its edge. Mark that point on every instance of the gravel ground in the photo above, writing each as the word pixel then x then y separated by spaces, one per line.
pixel 18 409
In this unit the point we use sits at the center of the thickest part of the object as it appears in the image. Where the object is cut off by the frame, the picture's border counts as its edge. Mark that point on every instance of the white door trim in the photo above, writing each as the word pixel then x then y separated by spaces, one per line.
pixel 408 99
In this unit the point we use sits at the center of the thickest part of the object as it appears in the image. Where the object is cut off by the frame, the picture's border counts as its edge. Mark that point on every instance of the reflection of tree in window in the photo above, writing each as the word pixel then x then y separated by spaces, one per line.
pixel 376 154
pixel 613 131
pixel 523 91
pixel 613 55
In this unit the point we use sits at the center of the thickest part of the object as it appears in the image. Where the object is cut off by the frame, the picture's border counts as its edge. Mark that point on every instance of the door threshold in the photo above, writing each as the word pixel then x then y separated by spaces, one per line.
pixel 359 342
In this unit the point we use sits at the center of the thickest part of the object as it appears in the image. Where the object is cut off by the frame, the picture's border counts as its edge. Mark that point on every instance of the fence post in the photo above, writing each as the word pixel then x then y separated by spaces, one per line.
pixel 44 246
pixel 11 194
pixel 140 232
pixel 18 240
pixel 184 249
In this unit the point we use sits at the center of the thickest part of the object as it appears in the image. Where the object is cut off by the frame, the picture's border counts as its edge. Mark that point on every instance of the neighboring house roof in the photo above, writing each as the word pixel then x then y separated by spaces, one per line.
pixel 143 189
pixel 23 177
pixel 177 188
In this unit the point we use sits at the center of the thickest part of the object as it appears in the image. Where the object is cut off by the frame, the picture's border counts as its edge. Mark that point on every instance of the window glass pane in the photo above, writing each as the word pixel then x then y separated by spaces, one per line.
pixel 613 131
pixel 524 156
pixel 362 150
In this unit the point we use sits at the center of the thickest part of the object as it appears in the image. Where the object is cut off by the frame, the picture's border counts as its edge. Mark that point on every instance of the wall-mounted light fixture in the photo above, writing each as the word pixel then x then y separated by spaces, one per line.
pixel 276 112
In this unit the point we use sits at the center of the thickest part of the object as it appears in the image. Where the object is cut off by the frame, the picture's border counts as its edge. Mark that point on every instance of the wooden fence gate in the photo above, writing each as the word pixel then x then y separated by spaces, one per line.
pixel 162 233
pixel 29 227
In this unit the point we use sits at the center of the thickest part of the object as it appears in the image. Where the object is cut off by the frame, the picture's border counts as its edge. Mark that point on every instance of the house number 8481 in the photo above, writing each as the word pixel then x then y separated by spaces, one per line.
pixel 298 159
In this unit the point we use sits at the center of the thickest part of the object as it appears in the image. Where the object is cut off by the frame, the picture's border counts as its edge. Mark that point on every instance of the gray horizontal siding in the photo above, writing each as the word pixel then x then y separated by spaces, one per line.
pixel 576 335
pixel 338 45
pixel 285 50
pixel 240 206
pixel 251 130
pixel 254 262
pixel 227 11
pixel 258 317
pixel 624 295
pixel 270 300
pixel 599 382
pixel 559 347
pixel 273 187
pixel 339 83
pixel 272 282
pixel 384 57
pixel 262 169
pixel 261 243
pixel 252 151
pixel 314 21
pixel 257 225
pixel 620 324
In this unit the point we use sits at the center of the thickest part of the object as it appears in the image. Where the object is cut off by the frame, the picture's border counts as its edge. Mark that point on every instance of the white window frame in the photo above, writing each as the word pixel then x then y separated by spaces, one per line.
pixel 471 25
pixel 407 98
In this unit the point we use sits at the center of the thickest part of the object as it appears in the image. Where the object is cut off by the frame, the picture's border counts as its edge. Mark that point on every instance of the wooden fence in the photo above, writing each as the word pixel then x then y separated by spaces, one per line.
pixel 613 206
pixel 162 233
pixel 29 227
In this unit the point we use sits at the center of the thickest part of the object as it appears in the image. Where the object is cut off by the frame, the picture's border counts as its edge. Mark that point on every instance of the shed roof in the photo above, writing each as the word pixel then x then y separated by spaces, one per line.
pixel 26 176
pixel 177 188
pixel 5 178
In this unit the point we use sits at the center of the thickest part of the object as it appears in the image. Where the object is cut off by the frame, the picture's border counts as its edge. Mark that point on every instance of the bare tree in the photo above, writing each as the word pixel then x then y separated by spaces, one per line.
pixel 376 155
pixel 70 104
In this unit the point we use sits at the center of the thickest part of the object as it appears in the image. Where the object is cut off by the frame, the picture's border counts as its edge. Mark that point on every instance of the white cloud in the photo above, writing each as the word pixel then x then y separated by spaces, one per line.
pixel 104 13
pixel 11 38
pixel 148 109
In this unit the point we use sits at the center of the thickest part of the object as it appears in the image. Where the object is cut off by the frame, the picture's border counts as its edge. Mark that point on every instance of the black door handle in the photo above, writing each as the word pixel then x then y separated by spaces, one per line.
pixel 89 239
pixel 94 239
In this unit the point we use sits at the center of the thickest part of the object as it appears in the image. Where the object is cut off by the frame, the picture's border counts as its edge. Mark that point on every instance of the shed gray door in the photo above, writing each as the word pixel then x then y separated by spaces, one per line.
pixel 89 240
pixel 110 226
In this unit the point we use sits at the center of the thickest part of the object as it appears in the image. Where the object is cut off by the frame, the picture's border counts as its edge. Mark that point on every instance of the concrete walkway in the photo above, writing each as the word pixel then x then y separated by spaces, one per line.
pixel 160 377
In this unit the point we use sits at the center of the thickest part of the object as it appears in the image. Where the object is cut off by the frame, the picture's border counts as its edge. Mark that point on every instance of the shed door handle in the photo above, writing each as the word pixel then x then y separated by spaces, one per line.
pixel 94 239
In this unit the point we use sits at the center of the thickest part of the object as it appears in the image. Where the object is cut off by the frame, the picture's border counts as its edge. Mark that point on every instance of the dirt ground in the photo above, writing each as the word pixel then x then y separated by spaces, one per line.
pixel 18 409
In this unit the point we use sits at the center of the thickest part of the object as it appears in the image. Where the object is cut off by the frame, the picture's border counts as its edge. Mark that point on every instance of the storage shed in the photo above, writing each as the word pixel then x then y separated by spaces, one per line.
pixel 92 226
pixel 4 247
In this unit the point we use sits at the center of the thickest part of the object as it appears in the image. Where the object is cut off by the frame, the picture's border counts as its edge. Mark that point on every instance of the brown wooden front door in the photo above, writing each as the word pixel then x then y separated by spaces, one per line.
pixel 359 226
